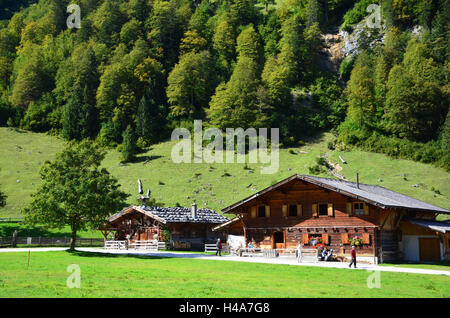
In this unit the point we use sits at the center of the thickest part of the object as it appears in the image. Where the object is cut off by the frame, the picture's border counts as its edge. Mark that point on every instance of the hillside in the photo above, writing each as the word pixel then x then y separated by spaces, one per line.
pixel 303 66
pixel 23 152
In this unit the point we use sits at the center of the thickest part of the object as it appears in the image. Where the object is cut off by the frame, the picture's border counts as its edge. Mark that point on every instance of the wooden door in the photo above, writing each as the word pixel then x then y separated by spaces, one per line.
pixel 278 240
pixel 429 249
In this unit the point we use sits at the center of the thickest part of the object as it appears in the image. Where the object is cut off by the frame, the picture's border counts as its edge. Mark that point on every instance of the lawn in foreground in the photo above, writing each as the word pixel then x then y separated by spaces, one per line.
pixel 104 275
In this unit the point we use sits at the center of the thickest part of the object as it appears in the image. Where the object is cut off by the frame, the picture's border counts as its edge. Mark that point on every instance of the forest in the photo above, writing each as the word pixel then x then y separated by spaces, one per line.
pixel 137 69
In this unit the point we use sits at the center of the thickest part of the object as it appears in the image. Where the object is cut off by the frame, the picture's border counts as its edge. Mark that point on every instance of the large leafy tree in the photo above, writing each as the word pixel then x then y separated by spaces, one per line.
pixel 75 191
pixel 415 102
pixel 190 85
pixel 151 113
pixel 413 106
pixel 361 92
pixel 79 116
pixel 236 103
pixel 224 40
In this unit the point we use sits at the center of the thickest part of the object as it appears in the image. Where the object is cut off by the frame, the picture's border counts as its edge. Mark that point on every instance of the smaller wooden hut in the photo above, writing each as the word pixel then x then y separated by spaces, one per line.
pixel 187 228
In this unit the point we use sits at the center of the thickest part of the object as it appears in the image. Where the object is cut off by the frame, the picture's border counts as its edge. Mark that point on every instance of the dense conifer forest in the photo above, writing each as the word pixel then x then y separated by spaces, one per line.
pixel 136 69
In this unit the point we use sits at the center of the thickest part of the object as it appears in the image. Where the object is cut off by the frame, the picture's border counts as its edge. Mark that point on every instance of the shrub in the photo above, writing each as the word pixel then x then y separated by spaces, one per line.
pixel 142 143
pixel 357 13
pixel 345 68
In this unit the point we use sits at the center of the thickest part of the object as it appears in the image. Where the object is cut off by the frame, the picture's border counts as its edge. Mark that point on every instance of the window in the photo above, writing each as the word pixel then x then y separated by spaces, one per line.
pixel 292 210
pixel 261 211
pixel 358 208
pixel 323 209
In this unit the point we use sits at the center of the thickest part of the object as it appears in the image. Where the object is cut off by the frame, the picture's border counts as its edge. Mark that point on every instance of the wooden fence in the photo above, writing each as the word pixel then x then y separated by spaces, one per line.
pixel 50 241
pixel 146 245
pixel 212 248
pixel 149 245
pixel 11 220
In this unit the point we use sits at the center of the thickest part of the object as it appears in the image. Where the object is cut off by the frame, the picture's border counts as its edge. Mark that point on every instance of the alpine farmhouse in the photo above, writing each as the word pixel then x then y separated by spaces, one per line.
pixel 385 225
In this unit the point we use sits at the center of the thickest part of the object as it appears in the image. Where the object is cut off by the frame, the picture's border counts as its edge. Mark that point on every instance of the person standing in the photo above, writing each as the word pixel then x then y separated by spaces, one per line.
pixel 353 256
pixel 219 247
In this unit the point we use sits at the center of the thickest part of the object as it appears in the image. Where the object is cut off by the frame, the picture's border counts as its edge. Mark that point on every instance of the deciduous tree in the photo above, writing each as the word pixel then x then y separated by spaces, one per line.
pixel 75 191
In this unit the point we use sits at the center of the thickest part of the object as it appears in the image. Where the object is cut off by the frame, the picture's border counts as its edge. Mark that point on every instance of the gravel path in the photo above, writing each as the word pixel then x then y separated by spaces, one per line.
pixel 256 259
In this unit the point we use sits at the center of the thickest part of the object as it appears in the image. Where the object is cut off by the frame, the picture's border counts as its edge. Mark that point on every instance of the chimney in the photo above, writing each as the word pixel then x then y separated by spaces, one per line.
pixel 194 210
pixel 140 187
pixel 357 180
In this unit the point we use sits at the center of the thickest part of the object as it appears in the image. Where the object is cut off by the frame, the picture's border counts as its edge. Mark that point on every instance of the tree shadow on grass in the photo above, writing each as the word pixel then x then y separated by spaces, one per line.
pixel 167 255
pixel 110 255
pixel 145 159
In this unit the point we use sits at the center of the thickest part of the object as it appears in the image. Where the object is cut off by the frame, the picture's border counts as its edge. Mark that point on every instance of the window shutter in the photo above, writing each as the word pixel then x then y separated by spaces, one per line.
pixel 267 211
pixel 305 239
pixel 299 210
pixel 284 209
pixel 344 238
pixel 366 209
pixel 330 209
pixel 314 210
pixel 325 238
pixel 253 211
pixel 366 238
pixel 349 208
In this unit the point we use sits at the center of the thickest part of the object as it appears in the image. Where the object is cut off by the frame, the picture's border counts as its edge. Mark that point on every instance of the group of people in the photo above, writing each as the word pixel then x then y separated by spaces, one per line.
pixel 325 255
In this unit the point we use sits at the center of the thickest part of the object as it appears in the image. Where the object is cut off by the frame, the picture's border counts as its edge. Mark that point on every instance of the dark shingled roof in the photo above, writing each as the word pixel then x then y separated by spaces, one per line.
pixel 184 215
pixel 373 194
pixel 381 195
pixel 175 214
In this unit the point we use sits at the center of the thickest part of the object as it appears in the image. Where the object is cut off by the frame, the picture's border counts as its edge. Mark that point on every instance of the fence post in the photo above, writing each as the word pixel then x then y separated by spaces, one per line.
pixel 14 239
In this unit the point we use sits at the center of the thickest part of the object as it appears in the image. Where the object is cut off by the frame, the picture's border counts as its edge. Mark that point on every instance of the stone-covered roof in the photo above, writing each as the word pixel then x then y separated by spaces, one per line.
pixel 174 214
pixel 442 227
pixel 372 194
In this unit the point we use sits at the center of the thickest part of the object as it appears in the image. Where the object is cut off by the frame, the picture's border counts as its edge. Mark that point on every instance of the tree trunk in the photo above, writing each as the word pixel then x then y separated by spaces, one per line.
pixel 73 239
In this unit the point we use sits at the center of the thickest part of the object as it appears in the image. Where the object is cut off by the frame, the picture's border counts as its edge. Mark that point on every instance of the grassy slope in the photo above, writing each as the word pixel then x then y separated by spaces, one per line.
pixel 21 155
pixel 109 276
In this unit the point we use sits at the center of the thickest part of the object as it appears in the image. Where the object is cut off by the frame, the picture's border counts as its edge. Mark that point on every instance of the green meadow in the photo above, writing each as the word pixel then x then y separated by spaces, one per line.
pixel 103 275
pixel 214 185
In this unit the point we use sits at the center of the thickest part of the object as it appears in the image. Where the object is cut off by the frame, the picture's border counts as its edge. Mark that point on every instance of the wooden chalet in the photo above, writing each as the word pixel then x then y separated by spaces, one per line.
pixel 189 228
pixel 302 209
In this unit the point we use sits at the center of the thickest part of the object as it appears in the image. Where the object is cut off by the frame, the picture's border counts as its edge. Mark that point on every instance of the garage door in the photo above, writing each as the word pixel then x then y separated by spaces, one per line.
pixel 429 249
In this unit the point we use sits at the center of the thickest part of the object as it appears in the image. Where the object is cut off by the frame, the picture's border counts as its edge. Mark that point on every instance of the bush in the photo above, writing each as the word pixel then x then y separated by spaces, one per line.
pixel 6 111
pixel 38 115
pixel 429 152
pixel 346 68
pixel 109 134
pixel 357 13
pixel 142 143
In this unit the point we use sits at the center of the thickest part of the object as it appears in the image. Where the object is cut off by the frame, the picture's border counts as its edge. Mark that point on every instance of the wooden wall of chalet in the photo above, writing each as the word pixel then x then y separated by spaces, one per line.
pixel 261 229
pixel 192 236
pixel 412 229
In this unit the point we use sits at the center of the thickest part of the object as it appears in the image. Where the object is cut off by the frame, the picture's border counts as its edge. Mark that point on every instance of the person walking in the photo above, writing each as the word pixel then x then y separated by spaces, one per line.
pixel 219 247
pixel 353 256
